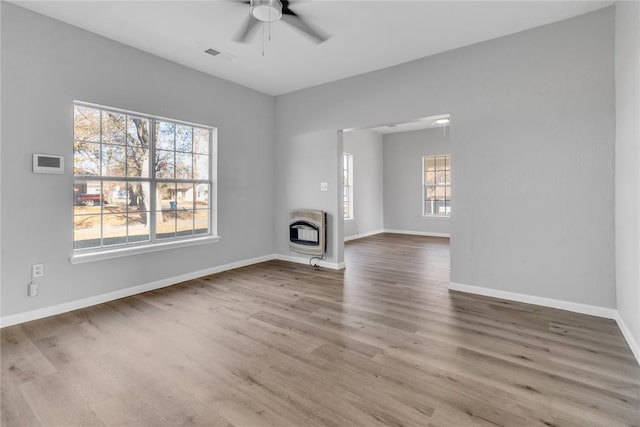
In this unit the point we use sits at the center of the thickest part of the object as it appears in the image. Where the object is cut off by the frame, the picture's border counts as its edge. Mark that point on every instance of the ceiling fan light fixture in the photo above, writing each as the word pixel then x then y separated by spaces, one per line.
pixel 266 10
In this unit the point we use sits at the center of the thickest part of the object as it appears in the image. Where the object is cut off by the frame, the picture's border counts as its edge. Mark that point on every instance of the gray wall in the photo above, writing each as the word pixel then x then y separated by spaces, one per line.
pixel 532 143
pixel 45 66
pixel 403 192
pixel 366 147
pixel 627 200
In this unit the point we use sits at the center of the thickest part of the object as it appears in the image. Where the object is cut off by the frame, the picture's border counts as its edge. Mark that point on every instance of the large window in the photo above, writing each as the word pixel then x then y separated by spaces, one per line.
pixel 436 185
pixel 139 179
pixel 347 189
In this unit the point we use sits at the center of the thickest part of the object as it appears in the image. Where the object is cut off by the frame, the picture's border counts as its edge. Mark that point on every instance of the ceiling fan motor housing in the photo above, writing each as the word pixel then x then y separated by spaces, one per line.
pixel 266 10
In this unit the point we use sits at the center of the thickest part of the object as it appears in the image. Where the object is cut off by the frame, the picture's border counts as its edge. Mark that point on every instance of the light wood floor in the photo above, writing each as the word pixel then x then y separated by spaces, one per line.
pixel 280 344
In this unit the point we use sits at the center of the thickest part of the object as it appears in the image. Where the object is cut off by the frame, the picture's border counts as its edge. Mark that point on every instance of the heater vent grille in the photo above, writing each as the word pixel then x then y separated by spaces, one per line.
pixel 308 231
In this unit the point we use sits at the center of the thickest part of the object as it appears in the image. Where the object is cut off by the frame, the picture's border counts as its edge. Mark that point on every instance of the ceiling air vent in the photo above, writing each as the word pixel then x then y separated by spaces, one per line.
pixel 218 54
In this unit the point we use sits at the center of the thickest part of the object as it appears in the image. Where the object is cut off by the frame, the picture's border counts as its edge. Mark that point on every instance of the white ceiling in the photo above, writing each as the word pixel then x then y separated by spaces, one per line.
pixel 365 35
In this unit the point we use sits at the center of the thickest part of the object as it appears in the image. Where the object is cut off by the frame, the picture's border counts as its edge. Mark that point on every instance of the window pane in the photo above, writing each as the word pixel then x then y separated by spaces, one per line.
pixel 168 205
pixel 440 193
pixel 86 231
pixel 448 177
pixel 440 163
pixel 138 147
pixel 431 177
pixel 184 196
pixel 138 226
pixel 200 167
pixel 184 165
pixel 115 196
pixel 441 177
pixel 113 160
pixel 448 196
pixel 165 164
pixel 86 158
pixel 87 197
pixel 167 228
pixel 138 193
pixel 137 162
pixel 201 140
pixel 430 193
pixel 184 138
pixel 202 195
pixel 184 226
pixel 448 162
pixel 429 207
pixel 165 135
pixel 201 221
pixel 429 164
pixel 86 124
pixel 113 128
pixel 440 207
pixel 114 229
pixel 166 195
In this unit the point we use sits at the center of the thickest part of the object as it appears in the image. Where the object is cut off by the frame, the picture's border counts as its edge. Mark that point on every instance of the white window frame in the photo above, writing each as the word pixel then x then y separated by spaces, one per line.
pixel 153 244
pixel 425 186
pixel 347 165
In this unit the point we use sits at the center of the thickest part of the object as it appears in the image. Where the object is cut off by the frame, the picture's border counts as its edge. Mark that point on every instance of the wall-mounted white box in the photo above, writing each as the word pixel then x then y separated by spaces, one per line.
pixel 47 163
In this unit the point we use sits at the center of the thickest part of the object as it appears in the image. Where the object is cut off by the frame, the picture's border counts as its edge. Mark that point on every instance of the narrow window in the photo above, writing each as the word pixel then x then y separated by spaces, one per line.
pixel 436 185
pixel 347 189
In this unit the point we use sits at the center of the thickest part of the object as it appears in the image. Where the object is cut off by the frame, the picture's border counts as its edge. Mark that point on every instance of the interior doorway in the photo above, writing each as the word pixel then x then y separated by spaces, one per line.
pixel 395 178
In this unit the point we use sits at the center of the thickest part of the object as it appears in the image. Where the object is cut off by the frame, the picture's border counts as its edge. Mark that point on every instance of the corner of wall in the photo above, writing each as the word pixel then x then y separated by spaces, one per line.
pixel 628 336
pixel 627 167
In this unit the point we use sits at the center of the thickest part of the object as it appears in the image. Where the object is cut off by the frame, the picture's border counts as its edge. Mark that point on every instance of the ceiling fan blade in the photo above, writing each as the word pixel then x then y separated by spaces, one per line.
pixel 299 23
pixel 249 25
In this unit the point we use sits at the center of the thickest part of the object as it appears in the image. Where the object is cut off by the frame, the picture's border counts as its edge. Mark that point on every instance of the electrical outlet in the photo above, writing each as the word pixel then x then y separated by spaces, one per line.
pixel 37 270
pixel 33 289
pixel 324 186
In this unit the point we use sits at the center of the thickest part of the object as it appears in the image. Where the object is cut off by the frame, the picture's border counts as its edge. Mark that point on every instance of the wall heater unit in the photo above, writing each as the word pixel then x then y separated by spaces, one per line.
pixel 308 231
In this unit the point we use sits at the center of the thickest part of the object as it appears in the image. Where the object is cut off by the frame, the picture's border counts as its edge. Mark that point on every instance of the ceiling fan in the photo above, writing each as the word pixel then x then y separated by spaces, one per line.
pixel 275 10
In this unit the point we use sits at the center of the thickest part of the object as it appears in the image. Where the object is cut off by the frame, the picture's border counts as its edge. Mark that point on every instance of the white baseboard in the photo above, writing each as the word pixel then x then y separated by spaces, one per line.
pixel 40 313
pixel 593 310
pixel 633 344
pixel 27 316
pixel 301 260
pixel 122 293
pixel 417 233
pixel 361 235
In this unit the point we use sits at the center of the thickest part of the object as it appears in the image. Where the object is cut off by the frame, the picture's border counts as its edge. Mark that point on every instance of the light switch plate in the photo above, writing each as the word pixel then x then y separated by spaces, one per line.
pixel 324 186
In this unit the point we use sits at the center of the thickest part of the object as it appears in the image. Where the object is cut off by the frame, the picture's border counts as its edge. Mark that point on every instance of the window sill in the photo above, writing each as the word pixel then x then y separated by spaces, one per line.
pixel 349 219
pixel 437 216
pixel 81 258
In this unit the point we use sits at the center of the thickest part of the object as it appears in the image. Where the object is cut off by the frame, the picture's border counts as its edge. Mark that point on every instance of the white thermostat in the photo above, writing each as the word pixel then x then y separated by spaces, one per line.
pixel 47 163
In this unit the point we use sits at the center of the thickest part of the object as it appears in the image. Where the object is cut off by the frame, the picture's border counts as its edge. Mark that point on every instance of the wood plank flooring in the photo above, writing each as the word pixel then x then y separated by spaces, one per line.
pixel 383 343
